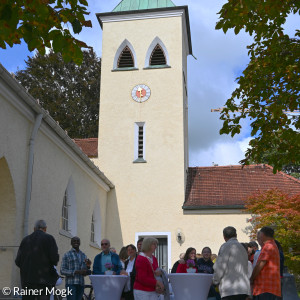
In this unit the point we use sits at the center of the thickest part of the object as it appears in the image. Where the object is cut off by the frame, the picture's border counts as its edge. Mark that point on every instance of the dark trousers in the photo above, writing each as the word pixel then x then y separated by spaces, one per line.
pixel 41 291
pixel 77 291
pixel 128 295
pixel 266 296
pixel 235 297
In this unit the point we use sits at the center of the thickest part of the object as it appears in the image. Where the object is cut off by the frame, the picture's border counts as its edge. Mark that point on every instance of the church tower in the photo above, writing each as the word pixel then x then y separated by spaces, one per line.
pixel 143 125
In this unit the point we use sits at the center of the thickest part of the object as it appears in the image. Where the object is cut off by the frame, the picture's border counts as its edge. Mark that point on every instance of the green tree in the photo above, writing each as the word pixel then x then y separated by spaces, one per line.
pixel 293 170
pixel 290 169
pixel 69 92
pixel 270 84
pixel 282 212
pixel 44 23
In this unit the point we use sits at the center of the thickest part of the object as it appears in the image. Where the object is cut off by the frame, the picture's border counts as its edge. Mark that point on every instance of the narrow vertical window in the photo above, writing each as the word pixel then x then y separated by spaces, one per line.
pixel 95 236
pixel 64 214
pixel 93 229
pixel 139 142
pixel 68 224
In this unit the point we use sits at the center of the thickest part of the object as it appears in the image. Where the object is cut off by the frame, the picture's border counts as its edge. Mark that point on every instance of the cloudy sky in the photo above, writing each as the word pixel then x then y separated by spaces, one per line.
pixel 211 78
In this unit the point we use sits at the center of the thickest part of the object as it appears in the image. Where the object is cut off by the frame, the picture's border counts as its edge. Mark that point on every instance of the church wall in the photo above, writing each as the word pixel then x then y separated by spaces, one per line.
pixel 201 230
pixel 54 165
pixel 14 136
pixel 7 222
pixel 52 172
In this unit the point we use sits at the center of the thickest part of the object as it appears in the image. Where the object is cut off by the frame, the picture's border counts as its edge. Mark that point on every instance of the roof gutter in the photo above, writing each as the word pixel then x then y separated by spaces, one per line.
pixel 35 129
pixel 210 207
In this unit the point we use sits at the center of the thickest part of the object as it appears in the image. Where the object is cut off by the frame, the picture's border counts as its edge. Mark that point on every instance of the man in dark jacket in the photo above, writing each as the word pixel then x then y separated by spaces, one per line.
pixel 36 258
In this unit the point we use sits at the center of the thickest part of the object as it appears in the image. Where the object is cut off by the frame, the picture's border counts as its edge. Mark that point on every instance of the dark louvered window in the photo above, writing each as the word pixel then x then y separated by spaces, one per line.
pixel 141 142
pixel 157 56
pixel 126 59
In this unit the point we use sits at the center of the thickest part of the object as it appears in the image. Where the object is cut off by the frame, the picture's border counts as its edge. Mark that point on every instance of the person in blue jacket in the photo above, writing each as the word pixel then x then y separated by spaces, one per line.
pixel 105 257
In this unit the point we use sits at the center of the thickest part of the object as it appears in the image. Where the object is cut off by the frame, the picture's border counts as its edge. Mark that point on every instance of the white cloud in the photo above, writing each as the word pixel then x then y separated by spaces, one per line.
pixel 221 153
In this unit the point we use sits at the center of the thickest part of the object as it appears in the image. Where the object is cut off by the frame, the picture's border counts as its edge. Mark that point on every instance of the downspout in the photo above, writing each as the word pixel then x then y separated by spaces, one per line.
pixel 35 129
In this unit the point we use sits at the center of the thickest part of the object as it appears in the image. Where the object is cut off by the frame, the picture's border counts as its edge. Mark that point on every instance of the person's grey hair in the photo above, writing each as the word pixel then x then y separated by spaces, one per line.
pixel 229 232
pixel 40 224
pixel 108 241
pixel 148 242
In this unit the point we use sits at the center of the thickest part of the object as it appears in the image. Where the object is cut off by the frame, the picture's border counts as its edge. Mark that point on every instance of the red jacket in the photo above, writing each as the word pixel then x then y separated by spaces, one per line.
pixel 145 280
pixel 182 268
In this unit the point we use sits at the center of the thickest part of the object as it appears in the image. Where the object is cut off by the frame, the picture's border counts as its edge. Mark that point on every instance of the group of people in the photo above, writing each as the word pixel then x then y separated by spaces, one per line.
pixel 239 279
pixel 38 255
pixel 234 276
pixel 241 271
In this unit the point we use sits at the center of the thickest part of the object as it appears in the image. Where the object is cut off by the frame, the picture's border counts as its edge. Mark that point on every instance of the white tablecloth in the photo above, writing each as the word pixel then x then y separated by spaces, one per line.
pixel 190 286
pixel 108 287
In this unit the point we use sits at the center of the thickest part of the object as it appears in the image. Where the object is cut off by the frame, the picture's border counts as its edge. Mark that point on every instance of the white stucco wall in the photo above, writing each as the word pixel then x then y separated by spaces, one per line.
pixel 55 164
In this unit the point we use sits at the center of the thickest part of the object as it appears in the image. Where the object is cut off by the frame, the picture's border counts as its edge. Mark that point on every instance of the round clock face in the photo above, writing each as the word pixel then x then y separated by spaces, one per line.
pixel 140 93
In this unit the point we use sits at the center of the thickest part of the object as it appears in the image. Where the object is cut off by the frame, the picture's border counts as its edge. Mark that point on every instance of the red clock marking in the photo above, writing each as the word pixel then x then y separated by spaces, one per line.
pixel 141 94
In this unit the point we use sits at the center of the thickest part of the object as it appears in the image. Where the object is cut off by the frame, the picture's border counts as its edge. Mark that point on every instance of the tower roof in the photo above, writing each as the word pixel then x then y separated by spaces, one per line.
pixel 128 5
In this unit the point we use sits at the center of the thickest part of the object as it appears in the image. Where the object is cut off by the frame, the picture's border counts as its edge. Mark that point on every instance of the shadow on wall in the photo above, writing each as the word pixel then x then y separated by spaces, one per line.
pixel 8 247
pixel 113 224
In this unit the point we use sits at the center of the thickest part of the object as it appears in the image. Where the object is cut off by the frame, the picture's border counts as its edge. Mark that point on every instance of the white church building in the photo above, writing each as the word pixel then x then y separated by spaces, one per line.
pixel 137 181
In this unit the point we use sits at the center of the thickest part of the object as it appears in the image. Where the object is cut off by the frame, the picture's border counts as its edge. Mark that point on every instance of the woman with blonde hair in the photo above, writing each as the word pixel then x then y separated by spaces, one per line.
pixel 146 286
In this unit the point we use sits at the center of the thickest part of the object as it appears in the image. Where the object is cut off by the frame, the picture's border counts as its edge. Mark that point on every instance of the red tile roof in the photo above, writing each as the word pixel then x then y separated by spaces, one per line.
pixel 229 186
pixel 88 146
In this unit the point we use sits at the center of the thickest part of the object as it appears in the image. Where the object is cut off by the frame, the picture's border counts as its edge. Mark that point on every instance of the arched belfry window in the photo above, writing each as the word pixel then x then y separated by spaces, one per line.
pixel 157 57
pixel 125 57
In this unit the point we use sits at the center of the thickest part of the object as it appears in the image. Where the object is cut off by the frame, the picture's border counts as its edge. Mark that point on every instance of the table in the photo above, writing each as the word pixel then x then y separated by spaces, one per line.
pixel 190 286
pixel 108 287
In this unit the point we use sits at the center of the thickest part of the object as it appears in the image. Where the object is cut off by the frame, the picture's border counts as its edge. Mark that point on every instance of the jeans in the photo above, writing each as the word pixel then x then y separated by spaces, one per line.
pixel 76 291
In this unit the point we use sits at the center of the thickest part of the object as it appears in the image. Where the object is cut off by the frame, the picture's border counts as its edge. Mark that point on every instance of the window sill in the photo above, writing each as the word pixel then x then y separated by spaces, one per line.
pixel 124 69
pixel 157 67
pixel 139 160
pixel 65 233
pixel 95 245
